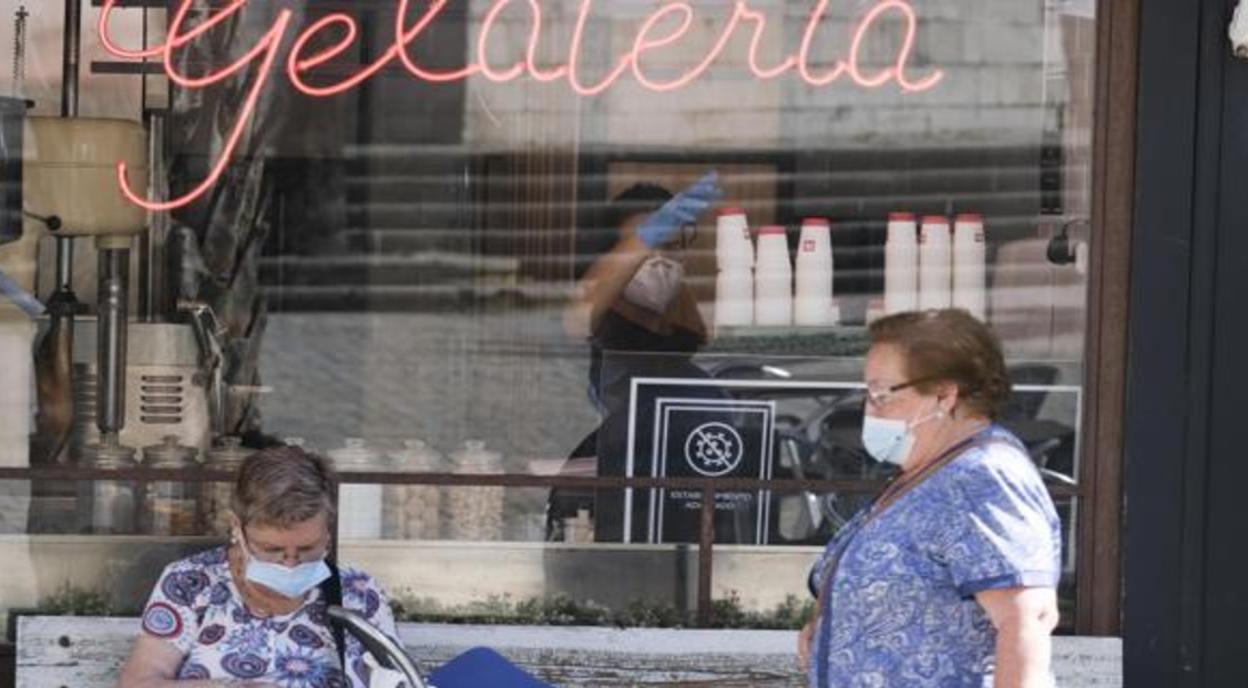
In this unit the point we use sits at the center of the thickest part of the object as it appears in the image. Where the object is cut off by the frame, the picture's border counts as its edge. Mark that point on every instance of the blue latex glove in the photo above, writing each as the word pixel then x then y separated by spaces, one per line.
pixel 24 299
pixel 683 209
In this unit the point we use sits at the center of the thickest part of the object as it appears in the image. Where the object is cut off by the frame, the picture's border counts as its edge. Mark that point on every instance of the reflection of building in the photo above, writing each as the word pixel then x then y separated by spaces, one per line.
pixel 394 262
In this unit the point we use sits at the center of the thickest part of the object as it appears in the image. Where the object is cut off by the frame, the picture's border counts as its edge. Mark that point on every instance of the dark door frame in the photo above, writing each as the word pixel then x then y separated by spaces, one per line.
pixel 1098 605
pixel 1186 539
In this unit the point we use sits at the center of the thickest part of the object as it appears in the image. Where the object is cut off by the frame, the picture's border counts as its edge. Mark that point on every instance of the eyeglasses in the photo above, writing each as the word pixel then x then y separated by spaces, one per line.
pixel 879 396
pixel 277 555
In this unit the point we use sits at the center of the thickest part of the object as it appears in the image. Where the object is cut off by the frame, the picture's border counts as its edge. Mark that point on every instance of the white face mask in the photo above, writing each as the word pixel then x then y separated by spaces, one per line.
pixel 890 440
pixel 656 284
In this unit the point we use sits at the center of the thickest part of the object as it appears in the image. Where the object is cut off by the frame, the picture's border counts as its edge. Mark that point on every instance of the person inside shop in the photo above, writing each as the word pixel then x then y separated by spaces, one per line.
pixel 948 578
pixel 635 307
pixel 253 612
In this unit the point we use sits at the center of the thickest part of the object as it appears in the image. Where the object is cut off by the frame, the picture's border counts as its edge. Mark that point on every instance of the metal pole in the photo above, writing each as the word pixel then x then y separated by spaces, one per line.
pixel 706 546
pixel 71 54
pixel 113 296
pixel 64 263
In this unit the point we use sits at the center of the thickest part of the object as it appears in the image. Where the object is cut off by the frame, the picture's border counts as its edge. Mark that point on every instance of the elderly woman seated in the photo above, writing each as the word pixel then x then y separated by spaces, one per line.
pixel 253 613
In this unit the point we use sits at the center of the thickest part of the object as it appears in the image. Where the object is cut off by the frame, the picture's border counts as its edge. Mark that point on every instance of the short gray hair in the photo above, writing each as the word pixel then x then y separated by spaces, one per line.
pixel 283 486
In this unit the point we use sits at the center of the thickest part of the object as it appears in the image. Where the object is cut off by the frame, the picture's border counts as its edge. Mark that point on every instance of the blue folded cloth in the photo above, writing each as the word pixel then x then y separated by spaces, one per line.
pixel 482 667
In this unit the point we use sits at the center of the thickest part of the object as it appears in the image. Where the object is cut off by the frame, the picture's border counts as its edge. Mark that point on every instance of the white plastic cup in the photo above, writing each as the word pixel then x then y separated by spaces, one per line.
pixel 734 298
pixel 773 250
pixel 773 279
pixel 970 265
pixel 816 312
pixel 815 245
pixel 812 299
pixel 935 263
pixel 733 248
pixel 901 264
pixel 813 305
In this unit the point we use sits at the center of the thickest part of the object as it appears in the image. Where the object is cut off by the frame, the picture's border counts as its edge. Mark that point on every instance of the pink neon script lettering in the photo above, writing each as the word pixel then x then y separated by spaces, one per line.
pixel 664 27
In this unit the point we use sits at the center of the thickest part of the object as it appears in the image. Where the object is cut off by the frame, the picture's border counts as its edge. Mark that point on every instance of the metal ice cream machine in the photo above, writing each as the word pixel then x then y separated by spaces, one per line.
pixel 104 383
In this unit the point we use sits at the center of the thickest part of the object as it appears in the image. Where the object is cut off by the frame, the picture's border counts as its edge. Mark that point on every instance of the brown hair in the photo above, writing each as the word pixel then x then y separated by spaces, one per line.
pixel 951 346
pixel 283 486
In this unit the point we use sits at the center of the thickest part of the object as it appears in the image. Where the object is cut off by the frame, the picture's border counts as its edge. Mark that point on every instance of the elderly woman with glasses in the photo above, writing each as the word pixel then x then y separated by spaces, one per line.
pixel 253 613
pixel 948 578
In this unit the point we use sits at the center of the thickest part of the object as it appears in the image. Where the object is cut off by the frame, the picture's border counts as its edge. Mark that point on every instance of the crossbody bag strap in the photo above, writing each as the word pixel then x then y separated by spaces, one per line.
pixel 897 489
pixel 331 592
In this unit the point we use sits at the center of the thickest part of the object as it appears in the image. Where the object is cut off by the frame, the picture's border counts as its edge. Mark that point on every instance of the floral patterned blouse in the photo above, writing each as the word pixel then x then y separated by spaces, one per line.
pixel 900 609
pixel 198 609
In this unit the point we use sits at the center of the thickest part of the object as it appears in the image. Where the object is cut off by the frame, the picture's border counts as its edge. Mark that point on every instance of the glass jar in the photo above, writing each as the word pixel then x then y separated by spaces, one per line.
pixel 475 513
pixel 169 507
pixel 414 511
pixel 217 503
pixel 110 507
pixel 359 505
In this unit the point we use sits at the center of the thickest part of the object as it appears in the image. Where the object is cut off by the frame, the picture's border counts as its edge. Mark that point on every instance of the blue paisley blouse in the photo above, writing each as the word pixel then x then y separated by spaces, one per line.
pixel 900 609
pixel 197 608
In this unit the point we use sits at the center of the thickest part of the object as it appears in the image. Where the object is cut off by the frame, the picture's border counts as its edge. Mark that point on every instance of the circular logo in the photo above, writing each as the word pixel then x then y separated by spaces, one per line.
pixel 162 621
pixel 714 449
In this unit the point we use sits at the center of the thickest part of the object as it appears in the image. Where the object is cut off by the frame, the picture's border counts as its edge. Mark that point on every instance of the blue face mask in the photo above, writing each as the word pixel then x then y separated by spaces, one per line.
pixel 890 440
pixel 886 439
pixel 293 582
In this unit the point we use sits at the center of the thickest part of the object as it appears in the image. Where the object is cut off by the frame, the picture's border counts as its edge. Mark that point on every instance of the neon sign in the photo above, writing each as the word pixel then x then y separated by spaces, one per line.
pixel 666 26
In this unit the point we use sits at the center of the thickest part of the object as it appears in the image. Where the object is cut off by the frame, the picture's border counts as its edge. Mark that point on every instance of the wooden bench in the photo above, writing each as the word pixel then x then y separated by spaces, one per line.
pixel 70 652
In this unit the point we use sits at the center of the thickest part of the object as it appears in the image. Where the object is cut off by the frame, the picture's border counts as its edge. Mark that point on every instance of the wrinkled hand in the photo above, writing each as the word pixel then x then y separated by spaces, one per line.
pixel 683 209
pixel 803 645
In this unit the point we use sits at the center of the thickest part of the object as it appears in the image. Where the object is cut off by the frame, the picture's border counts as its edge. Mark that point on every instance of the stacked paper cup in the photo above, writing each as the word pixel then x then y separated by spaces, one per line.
pixel 901 264
pixel 969 271
pixel 773 279
pixel 734 284
pixel 935 263
pixel 812 301
pixel 733 248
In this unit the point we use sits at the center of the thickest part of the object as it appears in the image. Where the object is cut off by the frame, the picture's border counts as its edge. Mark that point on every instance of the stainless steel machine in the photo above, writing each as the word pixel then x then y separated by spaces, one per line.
pixel 105 382
pixel 166 392
pixel 70 190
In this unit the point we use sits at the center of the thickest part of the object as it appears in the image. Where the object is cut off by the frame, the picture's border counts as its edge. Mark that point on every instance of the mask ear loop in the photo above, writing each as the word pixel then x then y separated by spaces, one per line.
pixel 939 413
pixel 936 414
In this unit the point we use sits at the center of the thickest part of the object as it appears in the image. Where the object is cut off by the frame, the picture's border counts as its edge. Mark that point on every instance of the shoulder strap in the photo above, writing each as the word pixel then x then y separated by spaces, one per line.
pixel 331 591
pixel 896 490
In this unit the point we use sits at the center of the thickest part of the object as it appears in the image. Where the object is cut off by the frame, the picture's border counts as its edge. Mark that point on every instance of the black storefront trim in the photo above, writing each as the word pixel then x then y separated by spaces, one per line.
pixel 1186 477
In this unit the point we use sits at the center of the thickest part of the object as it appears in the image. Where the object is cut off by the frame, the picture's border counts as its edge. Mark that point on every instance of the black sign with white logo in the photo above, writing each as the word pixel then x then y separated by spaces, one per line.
pixel 709 438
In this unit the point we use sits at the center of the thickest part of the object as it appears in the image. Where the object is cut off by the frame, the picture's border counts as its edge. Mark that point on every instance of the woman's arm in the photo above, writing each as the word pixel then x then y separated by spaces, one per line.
pixel 804 639
pixel 153 663
pixel 602 285
pixel 608 276
pixel 1024 618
